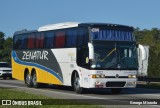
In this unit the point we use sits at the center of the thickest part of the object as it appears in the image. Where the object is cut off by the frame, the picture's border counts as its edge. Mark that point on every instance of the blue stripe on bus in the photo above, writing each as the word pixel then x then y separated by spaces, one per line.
pixel 16 59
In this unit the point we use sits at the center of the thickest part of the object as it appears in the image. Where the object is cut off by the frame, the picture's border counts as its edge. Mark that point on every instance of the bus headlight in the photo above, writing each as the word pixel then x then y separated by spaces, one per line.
pixel 132 76
pixel 98 76
pixel 102 76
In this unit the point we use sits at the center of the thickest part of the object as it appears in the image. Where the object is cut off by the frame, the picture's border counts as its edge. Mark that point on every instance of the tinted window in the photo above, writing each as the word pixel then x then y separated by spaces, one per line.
pixel 60 40
pixel 41 40
pixel 23 42
pixel 66 38
pixel 83 37
pixel 49 39
pixel 20 42
pixel 30 42
pixel 71 37
pixel 4 65
pixel 16 42
pixel 37 40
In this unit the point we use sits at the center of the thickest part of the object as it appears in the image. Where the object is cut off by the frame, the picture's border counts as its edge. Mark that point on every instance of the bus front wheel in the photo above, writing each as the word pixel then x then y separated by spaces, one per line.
pixel 76 84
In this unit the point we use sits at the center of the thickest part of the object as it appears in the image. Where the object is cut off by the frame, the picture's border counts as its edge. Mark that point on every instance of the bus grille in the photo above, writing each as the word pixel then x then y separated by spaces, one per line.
pixel 115 84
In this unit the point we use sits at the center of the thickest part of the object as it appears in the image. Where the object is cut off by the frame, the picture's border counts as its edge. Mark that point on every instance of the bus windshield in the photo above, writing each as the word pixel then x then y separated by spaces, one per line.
pixel 115 55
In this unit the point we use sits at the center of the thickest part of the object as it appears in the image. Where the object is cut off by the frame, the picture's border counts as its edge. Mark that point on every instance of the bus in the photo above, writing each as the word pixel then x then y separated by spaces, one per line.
pixel 81 55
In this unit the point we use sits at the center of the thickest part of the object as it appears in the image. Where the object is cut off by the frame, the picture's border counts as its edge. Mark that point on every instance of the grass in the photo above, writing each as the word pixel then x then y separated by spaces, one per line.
pixel 14 94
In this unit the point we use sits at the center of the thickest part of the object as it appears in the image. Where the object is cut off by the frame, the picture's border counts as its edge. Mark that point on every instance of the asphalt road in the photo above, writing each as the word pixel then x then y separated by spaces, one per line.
pixel 93 96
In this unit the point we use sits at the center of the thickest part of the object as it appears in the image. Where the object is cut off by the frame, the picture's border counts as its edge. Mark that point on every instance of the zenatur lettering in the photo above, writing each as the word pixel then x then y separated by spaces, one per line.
pixel 35 55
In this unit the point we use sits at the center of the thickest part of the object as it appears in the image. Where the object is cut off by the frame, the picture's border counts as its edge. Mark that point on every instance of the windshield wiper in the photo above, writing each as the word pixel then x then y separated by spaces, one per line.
pixel 101 60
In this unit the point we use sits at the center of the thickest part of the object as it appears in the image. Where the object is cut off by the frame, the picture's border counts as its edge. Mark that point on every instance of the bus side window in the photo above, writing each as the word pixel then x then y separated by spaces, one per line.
pixel 23 44
pixel 37 41
pixel 71 37
pixel 49 39
pixel 30 43
pixel 60 40
pixel 41 44
pixel 17 42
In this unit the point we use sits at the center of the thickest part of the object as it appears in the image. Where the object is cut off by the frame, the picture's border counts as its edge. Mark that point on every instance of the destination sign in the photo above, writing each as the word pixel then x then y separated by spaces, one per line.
pixel 112 35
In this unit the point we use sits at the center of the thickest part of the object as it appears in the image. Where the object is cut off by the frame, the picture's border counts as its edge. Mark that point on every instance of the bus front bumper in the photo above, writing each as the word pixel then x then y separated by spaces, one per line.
pixel 113 83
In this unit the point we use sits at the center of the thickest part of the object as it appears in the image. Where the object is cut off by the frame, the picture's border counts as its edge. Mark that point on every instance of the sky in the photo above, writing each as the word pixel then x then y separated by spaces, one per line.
pixel 31 14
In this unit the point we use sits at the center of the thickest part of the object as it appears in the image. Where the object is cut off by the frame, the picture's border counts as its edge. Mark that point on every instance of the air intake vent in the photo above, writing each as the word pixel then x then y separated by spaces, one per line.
pixel 115 84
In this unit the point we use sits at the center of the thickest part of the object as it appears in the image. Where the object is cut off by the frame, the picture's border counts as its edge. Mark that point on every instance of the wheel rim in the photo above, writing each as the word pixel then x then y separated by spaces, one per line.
pixel 76 83
pixel 28 79
pixel 34 79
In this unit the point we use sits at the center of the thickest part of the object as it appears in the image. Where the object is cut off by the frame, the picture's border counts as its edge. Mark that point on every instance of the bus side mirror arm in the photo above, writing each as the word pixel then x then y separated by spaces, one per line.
pixel 91 51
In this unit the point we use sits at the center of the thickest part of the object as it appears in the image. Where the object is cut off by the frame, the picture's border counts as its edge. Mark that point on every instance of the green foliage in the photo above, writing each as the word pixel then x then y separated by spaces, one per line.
pixel 5 48
pixel 1 40
pixel 151 38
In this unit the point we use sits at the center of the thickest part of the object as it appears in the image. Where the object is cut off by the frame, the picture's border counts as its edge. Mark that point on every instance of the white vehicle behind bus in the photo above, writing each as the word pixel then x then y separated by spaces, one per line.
pixel 5 70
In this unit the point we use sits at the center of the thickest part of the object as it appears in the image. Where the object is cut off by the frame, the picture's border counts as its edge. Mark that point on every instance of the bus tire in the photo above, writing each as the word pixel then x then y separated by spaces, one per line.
pixel 28 80
pixel 116 90
pixel 34 80
pixel 76 84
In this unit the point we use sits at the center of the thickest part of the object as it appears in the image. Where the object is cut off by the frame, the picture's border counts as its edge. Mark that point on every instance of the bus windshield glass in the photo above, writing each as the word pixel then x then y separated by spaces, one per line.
pixel 115 55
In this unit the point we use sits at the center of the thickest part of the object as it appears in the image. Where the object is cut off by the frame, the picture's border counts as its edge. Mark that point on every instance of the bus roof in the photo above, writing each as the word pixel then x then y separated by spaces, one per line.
pixel 58 26
pixel 25 31
pixel 76 24
pixel 72 24
pixel 104 25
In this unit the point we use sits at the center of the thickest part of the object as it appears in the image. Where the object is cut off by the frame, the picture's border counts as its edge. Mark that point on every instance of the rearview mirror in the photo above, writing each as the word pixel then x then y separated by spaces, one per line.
pixel 91 51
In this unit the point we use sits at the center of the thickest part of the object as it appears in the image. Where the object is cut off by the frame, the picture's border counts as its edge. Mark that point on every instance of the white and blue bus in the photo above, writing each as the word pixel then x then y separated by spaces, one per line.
pixel 81 55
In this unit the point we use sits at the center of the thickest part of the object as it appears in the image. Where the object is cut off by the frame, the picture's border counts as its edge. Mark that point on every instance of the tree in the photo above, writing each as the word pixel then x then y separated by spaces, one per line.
pixel 2 35
pixel 7 50
pixel 151 38
pixel 1 45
